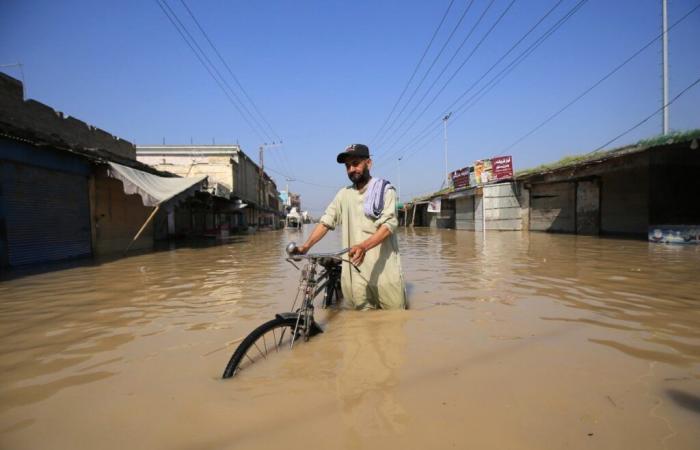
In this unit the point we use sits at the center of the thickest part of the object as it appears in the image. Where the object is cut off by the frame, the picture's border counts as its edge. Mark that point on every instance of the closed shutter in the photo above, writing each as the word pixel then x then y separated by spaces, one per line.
pixel 553 207
pixel 464 218
pixel 47 214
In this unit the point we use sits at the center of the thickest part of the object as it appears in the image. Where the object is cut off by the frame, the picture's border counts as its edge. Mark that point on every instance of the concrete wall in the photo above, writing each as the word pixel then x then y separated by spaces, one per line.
pixel 246 179
pixel 552 207
pixel 117 217
pixel 42 121
pixel 219 169
pixel 502 207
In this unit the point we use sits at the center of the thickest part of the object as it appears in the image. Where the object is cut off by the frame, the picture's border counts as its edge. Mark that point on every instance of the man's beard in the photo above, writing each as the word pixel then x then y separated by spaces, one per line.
pixel 359 178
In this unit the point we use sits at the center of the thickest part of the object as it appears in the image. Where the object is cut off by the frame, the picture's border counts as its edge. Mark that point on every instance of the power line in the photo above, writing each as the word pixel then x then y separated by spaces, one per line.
pixel 425 94
pixel 182 30
pixel 301 181
pixel 432 64
pixel 643 121
pixel 501 75
pixel 228 68
pixel 597 83
pixel 415 70
pixel 435 97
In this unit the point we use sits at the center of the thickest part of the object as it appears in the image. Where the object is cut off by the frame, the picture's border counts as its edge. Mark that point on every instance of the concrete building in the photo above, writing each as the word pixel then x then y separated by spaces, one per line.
pixel 232 175
pixel 60 194
pixel 625 191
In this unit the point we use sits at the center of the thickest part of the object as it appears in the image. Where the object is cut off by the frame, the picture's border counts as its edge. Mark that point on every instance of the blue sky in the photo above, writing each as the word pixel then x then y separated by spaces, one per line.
pixel 325 74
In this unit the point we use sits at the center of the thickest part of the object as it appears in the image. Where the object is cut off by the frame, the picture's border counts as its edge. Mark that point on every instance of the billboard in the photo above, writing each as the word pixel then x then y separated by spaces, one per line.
pixel 502 167
pixel 460 178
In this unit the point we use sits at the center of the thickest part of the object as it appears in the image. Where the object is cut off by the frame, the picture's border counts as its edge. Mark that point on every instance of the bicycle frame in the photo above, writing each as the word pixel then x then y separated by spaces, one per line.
pixel 328 281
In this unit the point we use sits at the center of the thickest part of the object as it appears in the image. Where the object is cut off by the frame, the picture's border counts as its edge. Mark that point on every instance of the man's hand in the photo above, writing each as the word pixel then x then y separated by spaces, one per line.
pixel 301 250
pixel 357 254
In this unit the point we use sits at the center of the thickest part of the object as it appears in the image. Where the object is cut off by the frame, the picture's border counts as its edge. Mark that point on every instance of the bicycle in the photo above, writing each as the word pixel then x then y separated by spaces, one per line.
pixel 320 274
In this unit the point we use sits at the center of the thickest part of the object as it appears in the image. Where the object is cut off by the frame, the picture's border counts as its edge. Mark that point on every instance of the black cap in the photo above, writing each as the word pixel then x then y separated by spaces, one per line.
pixel 360 150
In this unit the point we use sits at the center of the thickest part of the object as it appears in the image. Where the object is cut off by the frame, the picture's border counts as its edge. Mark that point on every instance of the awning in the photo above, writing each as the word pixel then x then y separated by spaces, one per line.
pixel 153 189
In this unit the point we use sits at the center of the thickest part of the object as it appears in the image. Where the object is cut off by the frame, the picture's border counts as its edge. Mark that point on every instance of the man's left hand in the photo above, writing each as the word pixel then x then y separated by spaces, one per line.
pixel 357 254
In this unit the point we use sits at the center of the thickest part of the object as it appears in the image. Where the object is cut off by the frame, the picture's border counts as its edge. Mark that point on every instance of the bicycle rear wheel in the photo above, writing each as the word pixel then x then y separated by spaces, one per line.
pixel 268 339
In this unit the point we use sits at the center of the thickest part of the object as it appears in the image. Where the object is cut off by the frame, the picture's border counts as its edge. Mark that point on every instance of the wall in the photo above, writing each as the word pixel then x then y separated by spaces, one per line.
pixel 219 169
pixel 552 207
pixel 502 207
pixel 117 217
pixel 43 121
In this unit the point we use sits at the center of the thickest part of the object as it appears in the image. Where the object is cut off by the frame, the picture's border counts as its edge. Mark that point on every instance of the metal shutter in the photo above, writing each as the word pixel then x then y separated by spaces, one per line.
pixel 47 214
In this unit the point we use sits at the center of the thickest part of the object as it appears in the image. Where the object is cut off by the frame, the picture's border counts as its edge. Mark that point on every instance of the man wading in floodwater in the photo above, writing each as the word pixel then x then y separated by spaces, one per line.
pixel 367 212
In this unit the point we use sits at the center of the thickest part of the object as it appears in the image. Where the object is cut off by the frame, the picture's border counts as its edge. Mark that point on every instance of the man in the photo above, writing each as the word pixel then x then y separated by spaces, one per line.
pixel 368 220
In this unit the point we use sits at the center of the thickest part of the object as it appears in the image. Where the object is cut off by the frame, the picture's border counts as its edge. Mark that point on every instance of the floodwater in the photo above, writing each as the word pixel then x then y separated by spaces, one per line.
pixel 513 341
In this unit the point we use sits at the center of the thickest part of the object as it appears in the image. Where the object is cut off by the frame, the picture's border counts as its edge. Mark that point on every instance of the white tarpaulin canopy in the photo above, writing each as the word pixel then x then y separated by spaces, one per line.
pixel 153 189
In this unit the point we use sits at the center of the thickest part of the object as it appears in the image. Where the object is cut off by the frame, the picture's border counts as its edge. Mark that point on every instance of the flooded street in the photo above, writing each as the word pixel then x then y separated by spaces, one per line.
pixel 512 341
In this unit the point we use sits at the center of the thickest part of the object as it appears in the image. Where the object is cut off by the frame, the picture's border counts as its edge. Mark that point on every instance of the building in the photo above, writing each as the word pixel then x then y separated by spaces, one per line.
pixel 232 176
pixel 626 191
pixel 70 190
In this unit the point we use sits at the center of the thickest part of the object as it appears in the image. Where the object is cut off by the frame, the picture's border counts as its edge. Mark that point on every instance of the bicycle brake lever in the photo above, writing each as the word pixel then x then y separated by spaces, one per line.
pixel 290 261
pixel 353 265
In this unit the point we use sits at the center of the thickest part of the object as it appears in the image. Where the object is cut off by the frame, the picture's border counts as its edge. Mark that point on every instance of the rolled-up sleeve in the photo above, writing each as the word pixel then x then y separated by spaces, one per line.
pixel 331 217
pixel 388 217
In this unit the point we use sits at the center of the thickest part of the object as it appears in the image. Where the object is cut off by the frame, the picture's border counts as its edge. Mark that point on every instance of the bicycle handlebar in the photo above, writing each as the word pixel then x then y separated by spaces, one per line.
pixel 292 246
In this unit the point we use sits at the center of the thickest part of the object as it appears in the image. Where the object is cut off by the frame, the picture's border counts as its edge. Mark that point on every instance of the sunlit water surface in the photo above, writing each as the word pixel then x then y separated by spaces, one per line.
pixel 513 341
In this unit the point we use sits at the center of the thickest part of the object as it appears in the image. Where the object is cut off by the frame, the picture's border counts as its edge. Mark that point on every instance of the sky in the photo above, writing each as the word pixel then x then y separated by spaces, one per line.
pixel 320 75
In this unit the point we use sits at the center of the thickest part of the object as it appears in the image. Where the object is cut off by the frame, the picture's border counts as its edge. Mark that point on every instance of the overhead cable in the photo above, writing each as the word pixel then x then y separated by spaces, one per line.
pixel 597 83
pixel 643 121
pixel 415 70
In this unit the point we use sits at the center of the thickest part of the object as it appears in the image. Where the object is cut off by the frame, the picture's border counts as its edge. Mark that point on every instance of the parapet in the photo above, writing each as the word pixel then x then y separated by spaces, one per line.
pixel 33 119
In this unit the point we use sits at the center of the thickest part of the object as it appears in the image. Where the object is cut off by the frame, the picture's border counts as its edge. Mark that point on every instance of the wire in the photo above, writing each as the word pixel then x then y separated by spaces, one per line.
pixel 301 181
pixel 163 4
pixel 498 77
pixel 597 83
pixel 228 68
pixel 415 90
pixel 643 121
pixel 415 70
pixel 435 97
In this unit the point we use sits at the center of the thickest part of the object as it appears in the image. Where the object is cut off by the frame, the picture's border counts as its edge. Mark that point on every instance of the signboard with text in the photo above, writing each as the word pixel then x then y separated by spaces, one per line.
pixel 460 178
pixel 502 167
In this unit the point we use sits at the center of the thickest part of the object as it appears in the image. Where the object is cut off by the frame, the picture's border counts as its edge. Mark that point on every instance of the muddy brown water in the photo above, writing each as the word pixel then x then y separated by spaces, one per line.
pixel 513 341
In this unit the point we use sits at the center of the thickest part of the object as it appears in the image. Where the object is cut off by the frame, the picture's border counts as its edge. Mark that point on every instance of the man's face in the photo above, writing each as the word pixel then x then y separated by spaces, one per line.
pixel 358 168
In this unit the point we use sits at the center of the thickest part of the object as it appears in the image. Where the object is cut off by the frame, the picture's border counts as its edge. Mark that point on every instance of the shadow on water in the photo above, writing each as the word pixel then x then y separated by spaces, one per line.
pixel 91 261
pixel 688 401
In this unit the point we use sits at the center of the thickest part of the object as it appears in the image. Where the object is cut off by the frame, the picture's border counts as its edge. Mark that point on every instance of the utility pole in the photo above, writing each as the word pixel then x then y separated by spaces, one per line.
pixel 398 195
pixel 664 15
pixel 444 122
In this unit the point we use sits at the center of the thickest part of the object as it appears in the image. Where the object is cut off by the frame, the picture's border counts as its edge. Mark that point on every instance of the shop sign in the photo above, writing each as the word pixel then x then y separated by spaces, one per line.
pixel 460 178
pixel 502 167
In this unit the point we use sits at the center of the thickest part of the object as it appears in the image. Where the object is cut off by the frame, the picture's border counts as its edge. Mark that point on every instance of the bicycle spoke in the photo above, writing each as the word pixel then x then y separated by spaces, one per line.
pixel 258 348
pixel 277 347
pixel 265 344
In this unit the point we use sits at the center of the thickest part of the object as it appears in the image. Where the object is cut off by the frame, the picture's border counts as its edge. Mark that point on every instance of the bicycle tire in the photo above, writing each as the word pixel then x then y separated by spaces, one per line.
pixel 285 325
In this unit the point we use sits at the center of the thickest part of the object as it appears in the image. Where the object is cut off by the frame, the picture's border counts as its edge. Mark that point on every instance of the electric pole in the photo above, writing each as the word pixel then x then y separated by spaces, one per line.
pixel 398 194
pixel 664 15
pixel 444 122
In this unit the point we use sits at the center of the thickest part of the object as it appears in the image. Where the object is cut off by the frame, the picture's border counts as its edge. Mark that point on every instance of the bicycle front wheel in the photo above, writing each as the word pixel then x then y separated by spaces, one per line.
pixel 266 340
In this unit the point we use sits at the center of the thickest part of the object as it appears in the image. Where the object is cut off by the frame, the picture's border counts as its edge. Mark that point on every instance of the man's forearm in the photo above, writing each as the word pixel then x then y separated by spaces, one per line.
pixel 316 235
pixel 377 238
